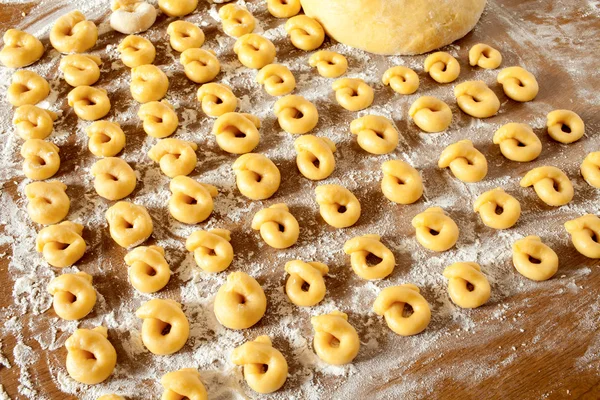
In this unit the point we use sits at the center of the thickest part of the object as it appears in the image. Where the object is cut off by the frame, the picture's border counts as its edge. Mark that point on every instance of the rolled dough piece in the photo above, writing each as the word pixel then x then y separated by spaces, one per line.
pixel 395 26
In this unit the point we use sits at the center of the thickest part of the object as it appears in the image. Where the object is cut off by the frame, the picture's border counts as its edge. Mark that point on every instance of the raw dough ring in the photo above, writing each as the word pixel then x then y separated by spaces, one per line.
pixel 332 199
pixel 329 64
pixel 375 134
pixel 353 94
pixel 89 103
pixel 61 244
pixel 216 99
pixel 257 177
pixel 565 126
pixel 518 84
pixel 477 99
pixel 177 8
pixel 277 226
pixel 132 16
pixel 183 384
pixel 191 202
pixel 20 49
pixel 336 341
pixel 80 69
pixel 240 302
pixel 430 114
pixel 72 33
pixel 305 286
pixel 200 65
pixel 435 230
pixel 465 161
pixel 401 79
pixel 149 271
pixel 175 156
pixel 129 224
pixel 391 303
pixel 585 232
pixel 27 87
pixel 590 169
pixel 41 159
pixel 237 133
pixel 295 114
pixel 148 83
pixel 136 50
pixel 488 203
pixel 91 358
pixel 468 287
pixel 360 247
pixel 276 79
pixel 401 183
pixel 159 119
pixel 254 51
pixel 106 138
pixel 160 315
pixel 284 8
pixel 114 179
pixel 265 368
pixel 237 21
pixel 518 142
pixel 184 35
pixel 32 122
pixel 73 295
pixel 533 259
pixel 551 185
pixel 212 249
pixel 315 159
pixel 48 202
pixel 442 67
pixel 484 56
pixel 305 33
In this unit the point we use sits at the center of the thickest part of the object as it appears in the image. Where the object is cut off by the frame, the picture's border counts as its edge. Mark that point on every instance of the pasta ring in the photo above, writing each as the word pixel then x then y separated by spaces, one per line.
pixel 360 247
pixel 91 358
pixel 435 230
pixel 27 87
pixel 277 226
pixel 305 287
pixel 184 35
pixel 73 295
pixel 129 224
pixel 237 21
pixel 183 384
pixel 72 33
pixel 240 302
pixel 533 259
pixel 216 99
pixel 106 139
pixel 237 133
pixel 61 244
pixel 336 341
pixel 265 368
pixel 565 126
pixel 315 159
pixel 276 79
pixel 468 287
pixel 254 51
pixel 353 94
pixel 590 169
pixel 136 50
pixel 306 33
pixel 391 304
pixel 585 234
pixel 89 103
pixel 430 114
pixel 177 8
pixel 212 249
pixel 518 142
pixel 442 67
pixel 175 156
pixel 80 69
pixel 200 65
pixel 401 79
pixel 191 202
pixel 329 64
pixel 132 16
pixel 551 185
pixel 148 83
pixel 295 114
pixel 338 206
pixel 401 183
pixel 48 202
pixel 159 119
pixel 257 177
pixel 488 205
pixel 149 271
pixel 465 161
pixel 375 134
pixel 114 179
pixel 32 122
pixel 477 99
pixel 518 84
pixel 484 56
pixel 41 159
pixel 20 49
pixel 160 316
pixel 284 8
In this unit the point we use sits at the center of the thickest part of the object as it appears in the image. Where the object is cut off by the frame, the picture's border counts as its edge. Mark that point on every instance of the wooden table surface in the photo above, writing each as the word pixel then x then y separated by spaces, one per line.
pixel 558 326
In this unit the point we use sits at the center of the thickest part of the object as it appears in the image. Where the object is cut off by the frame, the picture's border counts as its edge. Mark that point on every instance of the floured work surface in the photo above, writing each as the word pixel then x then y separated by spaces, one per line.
pixel 532 340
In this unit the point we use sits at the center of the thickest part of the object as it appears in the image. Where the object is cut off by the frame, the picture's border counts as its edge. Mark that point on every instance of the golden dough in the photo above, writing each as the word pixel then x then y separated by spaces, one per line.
pixel 183 384
pixel 498 209
pixel 129 224
pixel 338 206
pixel 277 226
pixel 91 358
pixel 177 8
pixel 159 119
pixel 200 65
pixel 162 315
pixel 72 33
pixel 442 67
pixel 20 49
pixel 391 303
pixel 533 259
pixel 149 272
pixel 329 63
pixel 550 184
pixel 61 244
pixel 590 169
pixel 276 79
pixel 284 8
pixel 353 93
pixel 41 159
pixel 240 302
pixel 401 79
pixel 80 69
pixel 360 247
pixel 305 33
pixel 212 249
pixel 565 126
pixel 477 99
pixel 48 202
pixel 175 156
pixel 336 341
pixel 265 368
pixel 468 287
pixel 191 202
pixel 305 287
pixel 32 122
pixel 585 232
pixel 257 177
pixel 315 159
pixel 401 183
pixel 518 142
pixel 237 133
pixel 216 99
pixel 375 134
pixel 148 83
pixel 89 103
pixel 435 230
pixel 27 87
pixel 106 138
pixel 184 35
pixel 254 51
pixel 295 114
pixel 430 114
pixel 136 50
pixel 114 179
pixel 465 161
pixel 236 21
pixel 518 84
pixel 484 56
pixel 73 295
